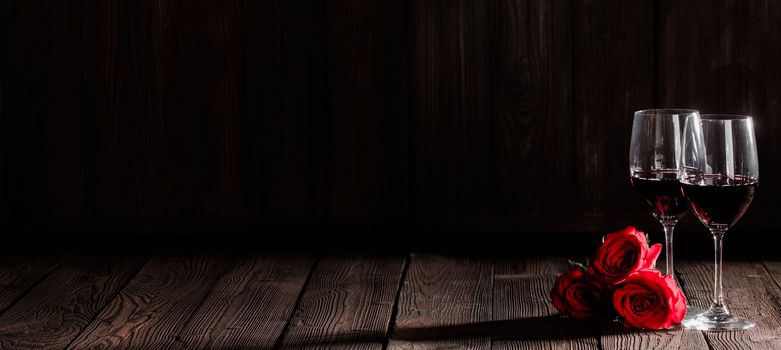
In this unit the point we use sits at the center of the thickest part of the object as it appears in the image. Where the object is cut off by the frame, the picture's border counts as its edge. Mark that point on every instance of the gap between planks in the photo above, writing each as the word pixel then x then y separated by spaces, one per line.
pixel 281 338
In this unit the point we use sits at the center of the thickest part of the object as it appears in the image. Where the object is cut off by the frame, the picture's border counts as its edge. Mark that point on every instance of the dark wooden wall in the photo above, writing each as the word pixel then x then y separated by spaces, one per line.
pixel 441 113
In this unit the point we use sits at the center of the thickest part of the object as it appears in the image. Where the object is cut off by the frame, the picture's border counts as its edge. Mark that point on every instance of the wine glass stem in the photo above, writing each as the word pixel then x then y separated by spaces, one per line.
pixel 718 292
pixel 669 226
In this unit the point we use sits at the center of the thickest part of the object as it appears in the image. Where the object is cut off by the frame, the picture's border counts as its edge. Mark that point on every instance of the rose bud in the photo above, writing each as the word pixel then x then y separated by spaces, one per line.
pixel 622 254
pixel 647 299
pixel 576 295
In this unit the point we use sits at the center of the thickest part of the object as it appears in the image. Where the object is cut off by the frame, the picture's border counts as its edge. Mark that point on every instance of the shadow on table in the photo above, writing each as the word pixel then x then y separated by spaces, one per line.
pixel 545 328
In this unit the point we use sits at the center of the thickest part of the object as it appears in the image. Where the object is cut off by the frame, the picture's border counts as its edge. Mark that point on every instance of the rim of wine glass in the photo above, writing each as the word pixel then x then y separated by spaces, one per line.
pixel 667 111
pixel 711 116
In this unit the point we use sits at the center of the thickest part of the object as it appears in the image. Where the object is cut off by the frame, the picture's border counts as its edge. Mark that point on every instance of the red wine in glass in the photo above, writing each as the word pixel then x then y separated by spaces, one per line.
pixel 654 162
pixel 662 191
pixel 719 199
pixel 719 174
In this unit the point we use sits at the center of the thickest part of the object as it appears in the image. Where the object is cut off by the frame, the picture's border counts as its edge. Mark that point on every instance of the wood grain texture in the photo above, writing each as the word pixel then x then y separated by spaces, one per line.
pixel 613 76
pixel 153 308
pixel 531 104
pixel 760 53
pixel 450 126
pixel 41 112
pixel 435 113
pixel 347 303
pixel 617 336
pixel 200 62
pixel 56 311
pixel 261 135
pixel 21 271
pixel 523 317
pixel 305 124
pixel 250 305
pixel 367 91
pixel 124 130
pixel 163 85
pixel 751 292
pixel 445 303
pixel 698 61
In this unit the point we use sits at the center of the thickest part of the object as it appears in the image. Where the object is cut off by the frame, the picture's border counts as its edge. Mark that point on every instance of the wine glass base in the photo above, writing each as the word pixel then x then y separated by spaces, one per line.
pixel 717 323
pixel 692 312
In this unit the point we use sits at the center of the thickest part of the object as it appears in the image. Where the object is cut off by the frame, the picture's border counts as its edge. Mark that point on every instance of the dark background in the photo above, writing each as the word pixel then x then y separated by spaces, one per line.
pixel 499 115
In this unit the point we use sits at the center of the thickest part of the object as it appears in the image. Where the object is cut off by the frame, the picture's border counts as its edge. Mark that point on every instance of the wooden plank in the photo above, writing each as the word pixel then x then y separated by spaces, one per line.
pixel 347 304
pixel 531 105
pixel 250 305
pixel 155 305
pixel 3 11
pixel 64 128
pixel 21 271
pixel 129 172
pixel 445 303
pixel 751 292
pixel 367 84
pixel 613 71
pixel 760 51
pixel 450 126
pixel 53 313
pixel 698 62
pixel 262 154
pixel 200 63
pixel 616 336
pixel 304 128
pixel 523 317
pixel 163 123
pixel 41 112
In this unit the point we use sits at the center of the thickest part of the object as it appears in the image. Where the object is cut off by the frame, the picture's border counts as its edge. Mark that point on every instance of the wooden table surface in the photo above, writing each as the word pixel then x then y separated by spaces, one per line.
pixel 214 298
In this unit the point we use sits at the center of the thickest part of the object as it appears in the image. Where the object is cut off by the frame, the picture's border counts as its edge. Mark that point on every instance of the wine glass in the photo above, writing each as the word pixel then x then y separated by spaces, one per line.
pixel 654 159
pixel 719 175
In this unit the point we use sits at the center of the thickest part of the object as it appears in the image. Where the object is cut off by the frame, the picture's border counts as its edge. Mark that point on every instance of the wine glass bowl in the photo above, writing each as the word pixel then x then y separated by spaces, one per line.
pixel 719 176
pixel 654 159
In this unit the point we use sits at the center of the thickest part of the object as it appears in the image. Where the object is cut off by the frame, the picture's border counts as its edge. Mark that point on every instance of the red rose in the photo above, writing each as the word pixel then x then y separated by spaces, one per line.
pixel 648 299
pixel 578 296
pixel 622 254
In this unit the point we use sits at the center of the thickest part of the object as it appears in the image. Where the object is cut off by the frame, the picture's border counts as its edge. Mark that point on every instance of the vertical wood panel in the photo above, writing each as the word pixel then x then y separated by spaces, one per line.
pixel 531 104
pixel 309 109
pixel 25 26
pixel 217 37
pixel 367 104
pixel 41 111
pixel 263 114
pixel 449 98
pixel 125 128
pixel 163 86
pixel 614 75
pixel 200 62
pixel 760 49
pixel 698 53
pixel 305 126
pixel 64 137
